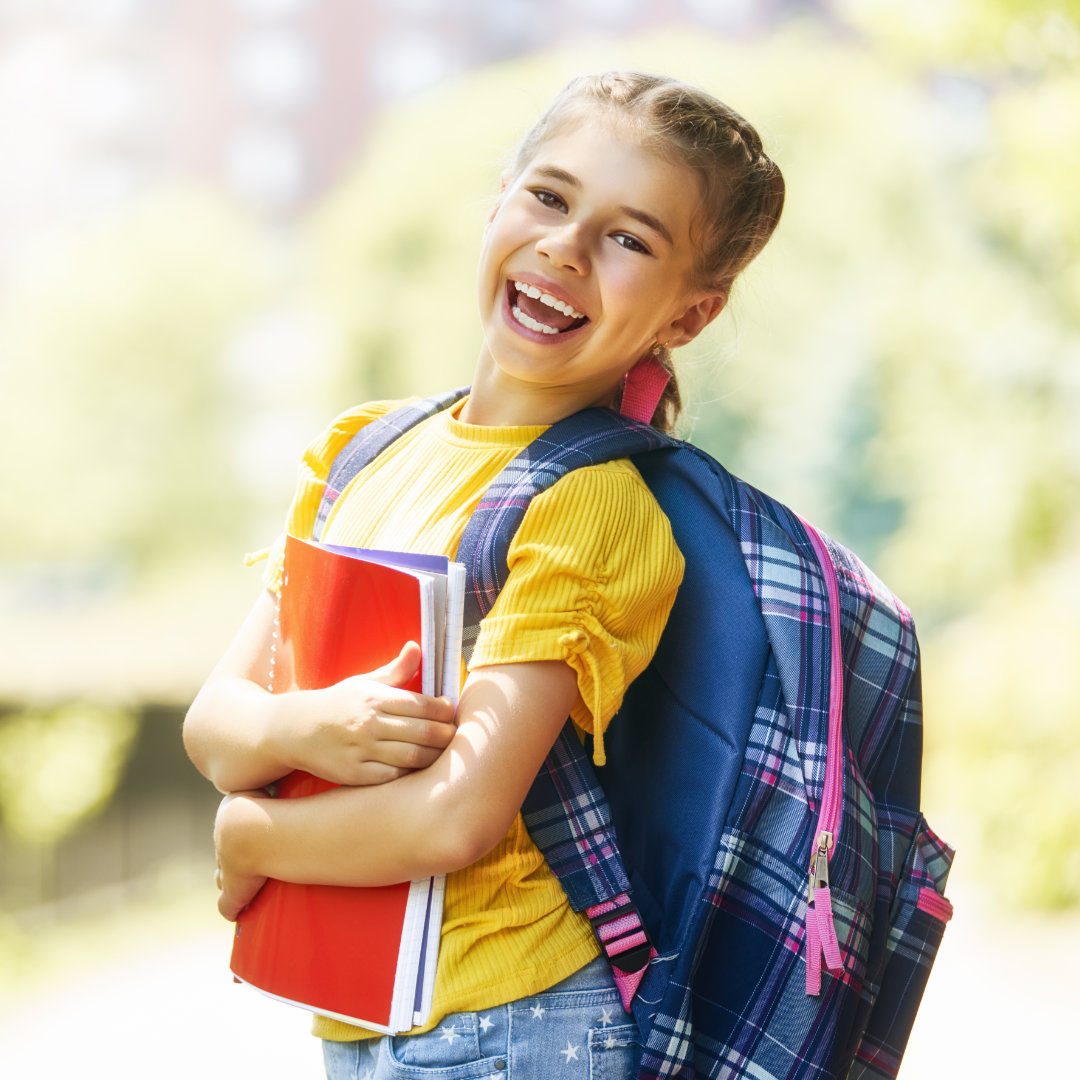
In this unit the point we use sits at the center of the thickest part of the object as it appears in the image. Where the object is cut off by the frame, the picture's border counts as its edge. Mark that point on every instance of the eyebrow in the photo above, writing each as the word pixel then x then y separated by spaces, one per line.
pixel 650 221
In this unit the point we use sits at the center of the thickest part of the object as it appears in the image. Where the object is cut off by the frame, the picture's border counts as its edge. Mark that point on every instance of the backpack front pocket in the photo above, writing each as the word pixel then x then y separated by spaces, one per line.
pixel 916 927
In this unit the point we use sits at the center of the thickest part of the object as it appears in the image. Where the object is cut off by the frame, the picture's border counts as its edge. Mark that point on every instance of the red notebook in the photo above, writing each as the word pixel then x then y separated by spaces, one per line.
pixel 363 955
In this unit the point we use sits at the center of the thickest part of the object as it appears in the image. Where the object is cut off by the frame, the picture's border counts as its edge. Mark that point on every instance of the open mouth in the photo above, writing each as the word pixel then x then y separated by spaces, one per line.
pixel 541 312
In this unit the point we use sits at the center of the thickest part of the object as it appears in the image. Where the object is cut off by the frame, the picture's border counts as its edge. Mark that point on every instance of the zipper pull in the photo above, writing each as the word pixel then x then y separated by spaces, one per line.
pixel 821 937
pixel 819 867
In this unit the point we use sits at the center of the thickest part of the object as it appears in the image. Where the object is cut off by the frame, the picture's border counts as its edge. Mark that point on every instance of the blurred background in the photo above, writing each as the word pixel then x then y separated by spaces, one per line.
pixel 223 221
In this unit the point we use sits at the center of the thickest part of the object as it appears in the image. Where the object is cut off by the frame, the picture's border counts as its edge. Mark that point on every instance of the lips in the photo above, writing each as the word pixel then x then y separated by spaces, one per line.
pixel 539 311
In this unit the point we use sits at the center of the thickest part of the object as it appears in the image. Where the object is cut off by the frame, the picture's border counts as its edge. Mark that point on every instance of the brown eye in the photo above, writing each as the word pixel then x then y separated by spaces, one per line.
pixel 631 243
pixel 549 199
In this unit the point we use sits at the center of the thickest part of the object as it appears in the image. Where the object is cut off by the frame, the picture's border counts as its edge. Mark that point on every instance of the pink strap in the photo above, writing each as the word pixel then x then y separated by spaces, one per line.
pixel 934 904
pixel 821 940
pixel 643 386
pixel 627 982
pixel 617 924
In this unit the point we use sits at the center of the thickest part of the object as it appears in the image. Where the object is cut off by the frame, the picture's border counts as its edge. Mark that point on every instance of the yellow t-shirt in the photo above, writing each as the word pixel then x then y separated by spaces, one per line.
pixel 593 573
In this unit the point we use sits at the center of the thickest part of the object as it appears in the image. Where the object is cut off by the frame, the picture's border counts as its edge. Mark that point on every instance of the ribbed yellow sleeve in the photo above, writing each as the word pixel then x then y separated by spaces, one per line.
pixel 311 482
pixel 593 575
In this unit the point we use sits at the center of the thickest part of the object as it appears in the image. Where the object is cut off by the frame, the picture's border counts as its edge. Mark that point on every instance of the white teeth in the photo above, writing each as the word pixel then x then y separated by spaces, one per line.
pixel 530 322
pixel 547 298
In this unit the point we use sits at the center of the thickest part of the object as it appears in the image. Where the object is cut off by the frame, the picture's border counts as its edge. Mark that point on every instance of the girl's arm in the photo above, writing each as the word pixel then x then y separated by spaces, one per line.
pixel 362 730
pixel 432 821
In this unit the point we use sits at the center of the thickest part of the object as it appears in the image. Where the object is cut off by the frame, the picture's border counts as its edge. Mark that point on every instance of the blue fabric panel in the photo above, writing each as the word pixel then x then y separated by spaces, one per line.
pixel 704 682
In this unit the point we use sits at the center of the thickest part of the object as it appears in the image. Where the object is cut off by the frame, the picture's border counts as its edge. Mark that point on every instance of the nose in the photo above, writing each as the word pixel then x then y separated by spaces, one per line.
pixel 566 247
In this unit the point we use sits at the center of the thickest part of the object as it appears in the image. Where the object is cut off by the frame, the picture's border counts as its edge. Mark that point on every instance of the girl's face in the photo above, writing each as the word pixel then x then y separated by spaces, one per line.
pixel 586 262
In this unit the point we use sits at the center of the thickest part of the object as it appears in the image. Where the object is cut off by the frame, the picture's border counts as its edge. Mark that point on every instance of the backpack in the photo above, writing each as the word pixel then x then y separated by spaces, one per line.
pixel 774 901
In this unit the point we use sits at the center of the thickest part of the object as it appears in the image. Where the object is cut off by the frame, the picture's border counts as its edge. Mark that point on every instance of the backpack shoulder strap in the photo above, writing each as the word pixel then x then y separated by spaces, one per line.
pixel 369 442
pixel 590 437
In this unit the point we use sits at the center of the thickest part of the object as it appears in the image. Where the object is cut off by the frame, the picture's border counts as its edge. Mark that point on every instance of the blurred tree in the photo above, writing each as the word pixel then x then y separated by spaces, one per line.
pixel 58 768
pixel 114 447
pixel 970 35
pixel 1004 743
pixel 393 251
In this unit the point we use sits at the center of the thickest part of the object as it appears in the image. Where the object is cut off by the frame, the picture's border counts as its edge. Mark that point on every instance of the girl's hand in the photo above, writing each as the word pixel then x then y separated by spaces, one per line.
pixel 366 730
pixel 236 887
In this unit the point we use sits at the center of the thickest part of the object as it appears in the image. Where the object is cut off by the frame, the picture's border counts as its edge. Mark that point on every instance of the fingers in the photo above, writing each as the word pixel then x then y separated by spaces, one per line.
pixel 389 701
pixel 393 728
pixel 408 755
pixel 236 891
pixel 372 773
pixel 403 704
pixel 401 669
pixel 402 746
pixel 399 746
pixel 226 905
pixel 370 722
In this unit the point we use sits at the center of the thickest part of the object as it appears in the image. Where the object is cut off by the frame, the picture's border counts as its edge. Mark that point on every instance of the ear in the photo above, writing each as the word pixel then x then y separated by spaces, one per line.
pixel 503 181
pixel 694 319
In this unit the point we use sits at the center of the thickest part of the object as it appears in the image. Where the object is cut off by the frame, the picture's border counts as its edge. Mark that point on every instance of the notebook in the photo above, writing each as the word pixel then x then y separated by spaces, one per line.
pixel 363 955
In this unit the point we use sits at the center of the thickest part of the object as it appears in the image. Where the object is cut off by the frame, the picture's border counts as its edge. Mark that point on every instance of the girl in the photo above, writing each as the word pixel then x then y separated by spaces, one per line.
pixel 629 210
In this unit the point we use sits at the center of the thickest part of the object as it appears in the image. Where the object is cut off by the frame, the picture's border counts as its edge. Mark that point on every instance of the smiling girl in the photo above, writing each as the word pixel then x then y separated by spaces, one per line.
pixel 617 234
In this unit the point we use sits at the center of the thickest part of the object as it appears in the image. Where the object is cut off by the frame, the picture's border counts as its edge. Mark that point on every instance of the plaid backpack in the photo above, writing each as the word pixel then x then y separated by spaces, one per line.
pixel 762 779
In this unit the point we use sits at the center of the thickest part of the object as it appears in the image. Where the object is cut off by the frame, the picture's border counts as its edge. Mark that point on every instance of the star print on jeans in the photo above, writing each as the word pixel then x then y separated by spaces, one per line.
pixel 570 1052
pixel 485 1023
pixel 605 1018
pixel 538 1012
pixel 449 1034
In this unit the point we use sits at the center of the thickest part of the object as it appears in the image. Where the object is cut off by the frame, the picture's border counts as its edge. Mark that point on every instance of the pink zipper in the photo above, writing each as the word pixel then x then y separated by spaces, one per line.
pixel 821 940
pixel 934 904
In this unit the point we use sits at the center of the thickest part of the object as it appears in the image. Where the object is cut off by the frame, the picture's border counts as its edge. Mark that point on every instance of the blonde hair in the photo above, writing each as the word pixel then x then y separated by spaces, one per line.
pixel 742 189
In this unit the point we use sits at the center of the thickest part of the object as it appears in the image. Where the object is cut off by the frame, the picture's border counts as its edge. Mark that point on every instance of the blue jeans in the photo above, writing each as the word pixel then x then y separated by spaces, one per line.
pixel 577 1030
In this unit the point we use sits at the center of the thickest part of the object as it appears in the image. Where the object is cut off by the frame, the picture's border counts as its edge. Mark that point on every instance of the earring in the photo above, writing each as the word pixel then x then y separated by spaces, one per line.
pixel 643 386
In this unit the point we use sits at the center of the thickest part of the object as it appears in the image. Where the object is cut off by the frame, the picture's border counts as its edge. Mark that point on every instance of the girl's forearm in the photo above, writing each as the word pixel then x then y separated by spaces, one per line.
pixel 232 733
pixel 412 828
pixel 229 731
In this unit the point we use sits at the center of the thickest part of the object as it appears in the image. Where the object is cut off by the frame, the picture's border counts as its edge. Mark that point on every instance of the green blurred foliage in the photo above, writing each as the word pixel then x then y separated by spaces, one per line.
pixel 1002 738
pixel 392 252
pixel 117 450
pixel 902 364
pixel 59 768
pixel 1026 36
